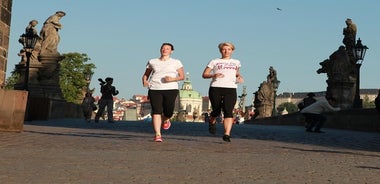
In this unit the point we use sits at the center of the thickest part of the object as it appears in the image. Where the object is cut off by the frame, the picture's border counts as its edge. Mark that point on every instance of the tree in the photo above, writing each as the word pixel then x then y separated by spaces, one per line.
pixel 367 103
pixel 12 80
pixel 71 76
pixel 290 107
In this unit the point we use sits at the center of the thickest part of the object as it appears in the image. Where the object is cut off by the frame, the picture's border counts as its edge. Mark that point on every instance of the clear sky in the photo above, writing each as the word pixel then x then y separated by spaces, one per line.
pixel 120 36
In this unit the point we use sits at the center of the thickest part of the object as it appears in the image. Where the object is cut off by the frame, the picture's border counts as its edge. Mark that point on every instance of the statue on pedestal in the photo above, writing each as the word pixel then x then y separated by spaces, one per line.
pixel 264 97
pixel 349 33
pixel 49 33
pixel 341 69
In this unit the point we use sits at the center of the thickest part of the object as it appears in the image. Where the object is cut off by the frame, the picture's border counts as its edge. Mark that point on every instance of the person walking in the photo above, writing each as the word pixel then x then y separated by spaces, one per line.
pixel 161 77
pixel 306 102
pixel 88 106
pixel 225 74
pixel 108 91
pixel 313 113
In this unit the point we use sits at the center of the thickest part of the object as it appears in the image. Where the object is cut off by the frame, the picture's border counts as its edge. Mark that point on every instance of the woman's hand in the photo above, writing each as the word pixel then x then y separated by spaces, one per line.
pixel 218 75
pixel 146 84
pixel 239 79
pixel 169 79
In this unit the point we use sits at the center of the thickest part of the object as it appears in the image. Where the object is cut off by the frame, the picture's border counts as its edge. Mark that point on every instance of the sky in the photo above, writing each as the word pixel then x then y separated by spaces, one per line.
pixel 120 36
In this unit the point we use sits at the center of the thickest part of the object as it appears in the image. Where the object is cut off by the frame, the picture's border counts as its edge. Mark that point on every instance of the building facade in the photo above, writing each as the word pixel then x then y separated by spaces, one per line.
pixel 5 24
pixel 189 103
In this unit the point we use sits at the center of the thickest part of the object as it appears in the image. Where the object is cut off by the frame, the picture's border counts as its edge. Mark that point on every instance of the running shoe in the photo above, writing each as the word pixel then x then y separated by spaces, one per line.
pixel 226 138
pixel 157 138
pixel 212 128
pixel 166 124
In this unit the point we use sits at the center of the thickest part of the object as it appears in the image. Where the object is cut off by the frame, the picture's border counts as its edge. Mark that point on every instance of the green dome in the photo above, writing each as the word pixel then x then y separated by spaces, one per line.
pixel 189 94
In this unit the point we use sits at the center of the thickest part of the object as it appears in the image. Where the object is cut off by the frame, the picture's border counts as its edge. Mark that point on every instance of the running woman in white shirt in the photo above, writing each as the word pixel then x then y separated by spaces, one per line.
pixel 161 77
pixel 225 76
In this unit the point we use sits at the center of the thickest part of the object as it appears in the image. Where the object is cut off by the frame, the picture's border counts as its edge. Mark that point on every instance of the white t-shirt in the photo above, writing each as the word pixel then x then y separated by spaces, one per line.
pixel 160 69
pixel 228 68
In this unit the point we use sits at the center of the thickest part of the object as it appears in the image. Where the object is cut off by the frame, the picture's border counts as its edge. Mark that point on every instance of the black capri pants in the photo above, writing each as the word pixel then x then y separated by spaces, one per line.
pixel 163 101
pixel 222 99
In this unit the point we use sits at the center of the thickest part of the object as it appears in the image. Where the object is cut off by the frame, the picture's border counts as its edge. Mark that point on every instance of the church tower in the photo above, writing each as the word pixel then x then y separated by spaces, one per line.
pixel 190 101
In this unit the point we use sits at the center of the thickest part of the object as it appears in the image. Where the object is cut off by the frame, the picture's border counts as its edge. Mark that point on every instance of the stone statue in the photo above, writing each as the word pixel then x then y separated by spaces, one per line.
pixel 341 74
pixel 31 30
pixel 272 76
pixel 338 67
pixel 349 33
pixel 264 97
pixel 49 34
pixel 264 100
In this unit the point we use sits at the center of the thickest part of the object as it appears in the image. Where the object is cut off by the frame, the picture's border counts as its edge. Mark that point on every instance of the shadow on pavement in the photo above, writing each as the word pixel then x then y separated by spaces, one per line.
pixel 355 140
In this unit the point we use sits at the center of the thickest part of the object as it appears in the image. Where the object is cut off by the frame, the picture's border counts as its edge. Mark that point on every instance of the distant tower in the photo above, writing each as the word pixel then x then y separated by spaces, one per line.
pixel 242 99
pixel 190 101
pixel 5 26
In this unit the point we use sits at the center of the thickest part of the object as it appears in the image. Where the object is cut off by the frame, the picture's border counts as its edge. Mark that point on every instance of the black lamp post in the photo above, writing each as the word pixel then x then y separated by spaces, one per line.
pixel 29 40
pixel 88 76
pixel 275 84
pixel 359 51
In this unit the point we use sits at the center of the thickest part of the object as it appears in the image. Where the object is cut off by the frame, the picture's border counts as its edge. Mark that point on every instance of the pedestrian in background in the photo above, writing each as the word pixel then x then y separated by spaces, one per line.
pixel 88 106
pixel 225 75
pixel 108 91
pixel 161 76
pixel 307 101
pixel 313 113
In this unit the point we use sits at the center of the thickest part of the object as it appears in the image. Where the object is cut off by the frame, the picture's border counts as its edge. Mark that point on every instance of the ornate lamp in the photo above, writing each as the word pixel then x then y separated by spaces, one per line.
pixel 359 52
pixel 28 40
pixel 276 84
pixel 87 76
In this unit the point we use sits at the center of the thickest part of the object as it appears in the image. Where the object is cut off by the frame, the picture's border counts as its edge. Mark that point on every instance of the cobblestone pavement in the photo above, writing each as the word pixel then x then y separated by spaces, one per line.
pixel 73 151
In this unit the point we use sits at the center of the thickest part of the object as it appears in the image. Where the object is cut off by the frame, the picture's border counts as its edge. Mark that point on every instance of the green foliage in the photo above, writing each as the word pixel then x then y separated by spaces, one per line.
pixel 72 79
pixel 290 107
pixel 367 103
pixel 12 80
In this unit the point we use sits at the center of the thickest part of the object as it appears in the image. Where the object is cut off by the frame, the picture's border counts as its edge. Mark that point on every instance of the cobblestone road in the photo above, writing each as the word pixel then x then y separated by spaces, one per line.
pixel 73 151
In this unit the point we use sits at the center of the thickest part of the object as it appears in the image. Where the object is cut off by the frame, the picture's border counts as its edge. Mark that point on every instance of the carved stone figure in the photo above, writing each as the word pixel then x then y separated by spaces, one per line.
pixel 30 29
pixel 49 34
pixel 272 76
pixel 264 100
pixel 338 67
pixel 341 74
pixel 349 33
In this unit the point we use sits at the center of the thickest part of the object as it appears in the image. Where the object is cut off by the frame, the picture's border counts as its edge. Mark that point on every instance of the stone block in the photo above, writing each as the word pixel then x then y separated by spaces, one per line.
pixel 12 110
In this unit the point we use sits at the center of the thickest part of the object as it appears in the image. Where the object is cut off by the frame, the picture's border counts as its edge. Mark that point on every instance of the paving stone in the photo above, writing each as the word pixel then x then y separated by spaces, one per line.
pixel 74 151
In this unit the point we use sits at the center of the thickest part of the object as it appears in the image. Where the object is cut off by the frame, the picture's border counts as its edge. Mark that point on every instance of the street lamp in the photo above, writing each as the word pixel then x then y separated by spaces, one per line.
pixel 88 76
pixel 275 84
pixel 28 40
pixel 359 51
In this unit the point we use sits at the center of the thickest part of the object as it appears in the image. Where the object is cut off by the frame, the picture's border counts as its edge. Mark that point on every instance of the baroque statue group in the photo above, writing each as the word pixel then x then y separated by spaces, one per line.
pixel 42 68
pixel 341 71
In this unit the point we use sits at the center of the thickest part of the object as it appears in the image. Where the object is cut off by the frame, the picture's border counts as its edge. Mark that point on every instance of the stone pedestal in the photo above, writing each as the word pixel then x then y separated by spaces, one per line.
pixel 49 76
pixel 343 92
pixel 264 110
